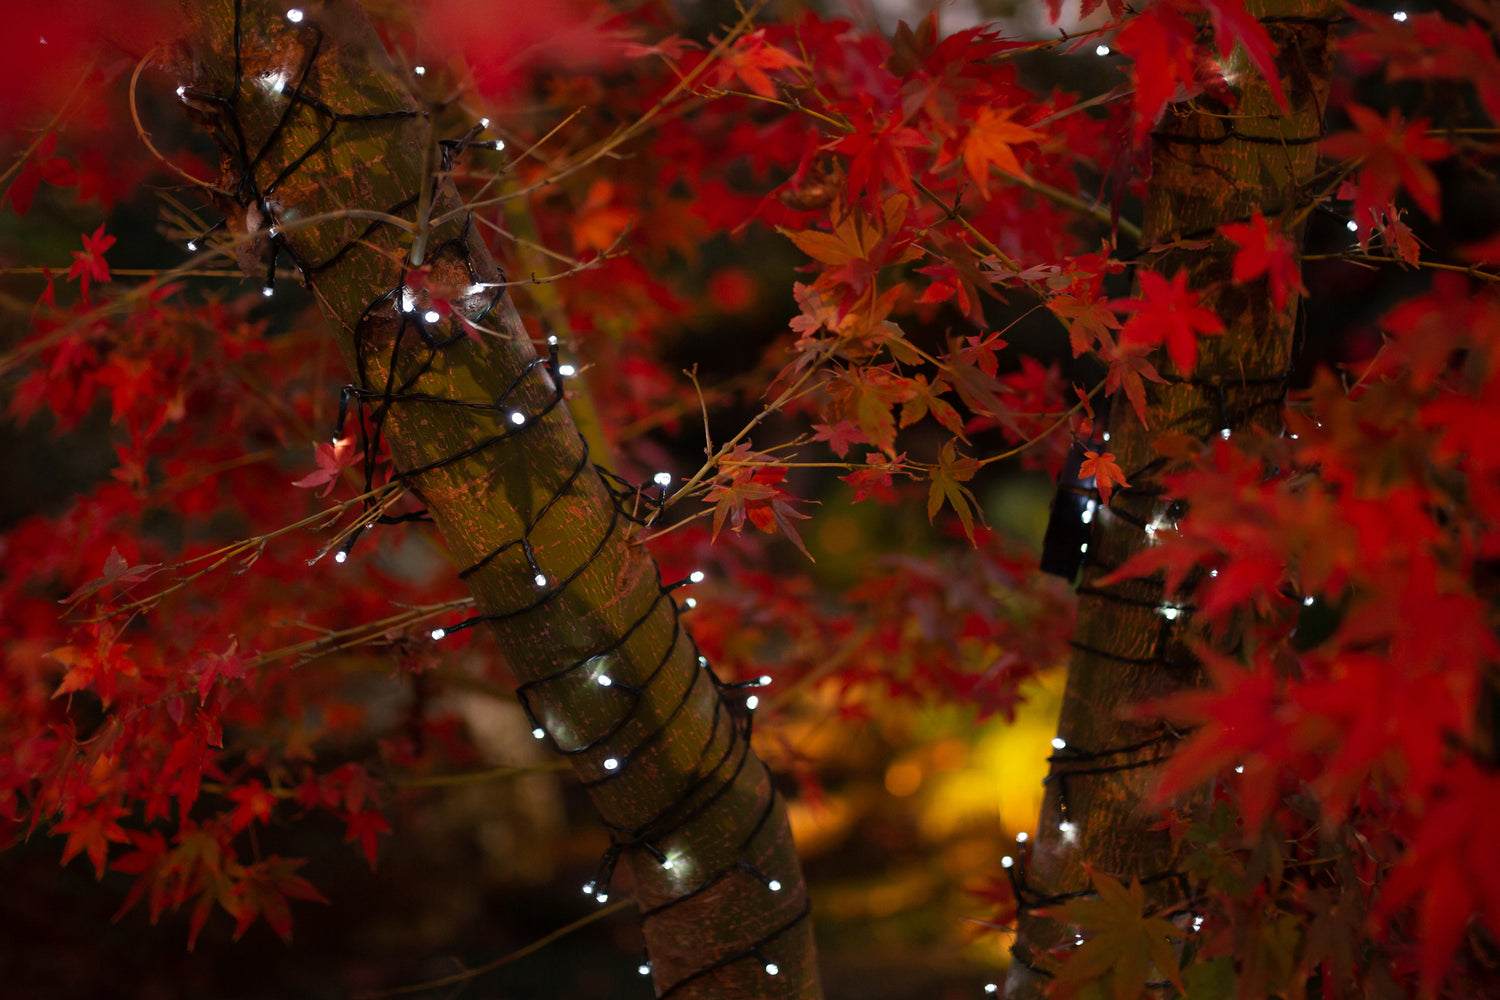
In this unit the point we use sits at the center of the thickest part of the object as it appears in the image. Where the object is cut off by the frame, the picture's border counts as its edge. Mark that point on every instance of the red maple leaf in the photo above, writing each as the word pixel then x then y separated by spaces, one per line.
pixel 1450 867
pixel 1265 251
pixel 332 459
pixel 1168 312
pixel 252 802
pixel 1160 41
pixel 753 57
pixel 365 827
pixel 1233 24
pixel 839 436
pixel 262 891
pixel 754 492
pixel 1104 471
pixel 89 262
pixel 1394 155
pixel 91 831
pixel 877 156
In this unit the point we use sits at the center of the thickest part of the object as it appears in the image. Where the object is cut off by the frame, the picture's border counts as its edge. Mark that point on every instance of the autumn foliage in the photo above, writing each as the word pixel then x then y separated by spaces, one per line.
pixel 904 271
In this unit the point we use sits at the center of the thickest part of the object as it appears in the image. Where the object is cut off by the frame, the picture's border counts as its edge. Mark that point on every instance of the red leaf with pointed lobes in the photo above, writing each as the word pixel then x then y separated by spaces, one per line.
pixel 90 831
pixel 332 459
pixel 1394 155
pixel 839 436
pixel 1265 251
pixel 1232 24
pixel 1450 869
pixel 1103 470
pixel 1160 41
pixel 875 481
pixel 752 57
pixel 252 802
pixel 89 262
pixel 365 827
pixel 1168 312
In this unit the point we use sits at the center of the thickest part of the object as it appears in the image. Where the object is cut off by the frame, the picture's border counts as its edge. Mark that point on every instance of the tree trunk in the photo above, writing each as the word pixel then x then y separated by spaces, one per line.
pixel 315 121
pixel 1207 170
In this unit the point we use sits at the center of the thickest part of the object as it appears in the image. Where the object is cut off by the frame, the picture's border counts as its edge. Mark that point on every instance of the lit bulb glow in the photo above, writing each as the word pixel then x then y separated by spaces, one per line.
pixel 611 763
pixel 1058 743
pixel 1084 547
pixel 438 633
pixel 765 680
pixel 752 703
pixel 541 579
pixel 588 888
pixel 1239 769
pixel 604 680
pixel 644 968
pixel 408 303
pixel 1399 15
pixel 538 732
pixel 1088 512
pixel 691 602
pixel 295 15
pixel 1197 923
pixel 567 371
pixel 484 123
pixel 774 885
pixel 1101 50
pixel 1022 837
pixel 603 897
pixel 517 417
pixel 772 968
pixel 1106 437
pixel 1213 572
pixel 696 576
pixel 1007 862
pixel 182 91
pixel 419 70
pixel 1307 601
pixel 552 339
pixel 662 479
pixel 1068 830
pixel 666 863
pixel 1224 434
pixel 267 291
pixel 992 988
pixel 702 661
pixel 432 316
pixel 192 245
pixel 1170 613
pixel 340 556
pixel 1352 226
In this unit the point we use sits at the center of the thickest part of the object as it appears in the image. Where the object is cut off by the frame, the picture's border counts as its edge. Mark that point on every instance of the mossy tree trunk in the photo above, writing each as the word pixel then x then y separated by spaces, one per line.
pixel 284 101
pixel 1209 167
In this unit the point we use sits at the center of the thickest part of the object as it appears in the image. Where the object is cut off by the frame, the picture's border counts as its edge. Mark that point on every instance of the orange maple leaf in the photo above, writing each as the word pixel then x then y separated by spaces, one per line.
pixel 1104 471
pixel 989 142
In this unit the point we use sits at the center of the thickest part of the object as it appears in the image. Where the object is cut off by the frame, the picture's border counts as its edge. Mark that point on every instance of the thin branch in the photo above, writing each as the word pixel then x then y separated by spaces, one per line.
pixel 463 977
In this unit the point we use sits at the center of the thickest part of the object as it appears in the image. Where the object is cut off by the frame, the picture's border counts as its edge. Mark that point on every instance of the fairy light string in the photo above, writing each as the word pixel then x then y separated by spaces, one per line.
pixel 1070 550
pixel 405 323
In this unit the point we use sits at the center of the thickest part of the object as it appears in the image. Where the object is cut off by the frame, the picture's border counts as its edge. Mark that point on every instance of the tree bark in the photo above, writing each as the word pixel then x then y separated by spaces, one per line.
pixel 666 753
pixel 1207 169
